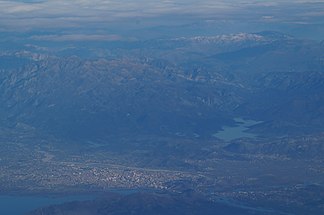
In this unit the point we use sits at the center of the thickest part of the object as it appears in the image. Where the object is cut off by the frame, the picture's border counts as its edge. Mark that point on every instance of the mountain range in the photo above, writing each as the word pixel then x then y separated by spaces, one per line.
pixel 188 86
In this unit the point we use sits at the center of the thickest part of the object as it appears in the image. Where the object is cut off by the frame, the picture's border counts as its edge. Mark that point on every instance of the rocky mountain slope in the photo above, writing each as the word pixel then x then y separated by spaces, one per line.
pixel 183 86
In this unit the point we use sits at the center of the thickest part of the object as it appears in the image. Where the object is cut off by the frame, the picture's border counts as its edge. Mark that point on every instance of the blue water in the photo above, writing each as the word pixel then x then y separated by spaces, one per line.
pixel 19 205
pixel 240 130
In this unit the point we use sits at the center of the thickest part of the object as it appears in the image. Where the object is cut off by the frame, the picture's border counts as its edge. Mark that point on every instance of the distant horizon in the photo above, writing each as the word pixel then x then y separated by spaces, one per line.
pixel 116 20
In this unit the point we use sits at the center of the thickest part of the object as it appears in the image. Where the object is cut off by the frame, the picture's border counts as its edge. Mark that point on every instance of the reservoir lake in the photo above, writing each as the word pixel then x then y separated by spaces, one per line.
pixel 229 133
pixel 20 205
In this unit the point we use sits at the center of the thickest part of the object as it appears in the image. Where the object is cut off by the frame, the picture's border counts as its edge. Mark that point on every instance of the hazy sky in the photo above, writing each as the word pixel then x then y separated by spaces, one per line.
pixel 31 15
pixel 44 13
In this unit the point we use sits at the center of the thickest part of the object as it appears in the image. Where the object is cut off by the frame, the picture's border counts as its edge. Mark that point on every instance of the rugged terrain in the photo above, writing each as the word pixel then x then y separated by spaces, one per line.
pixel 143 115
pixel 183 85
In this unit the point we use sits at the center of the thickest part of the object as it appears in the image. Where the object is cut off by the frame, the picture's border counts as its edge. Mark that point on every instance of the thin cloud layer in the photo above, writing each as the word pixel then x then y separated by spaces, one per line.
pixel 26 15
pixel 77 37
